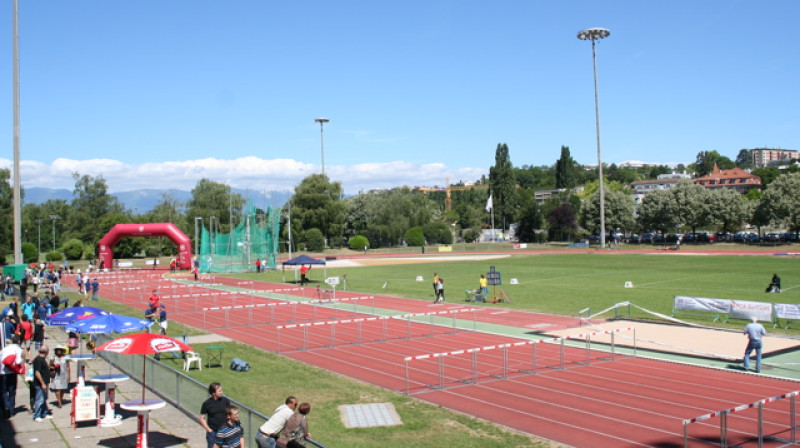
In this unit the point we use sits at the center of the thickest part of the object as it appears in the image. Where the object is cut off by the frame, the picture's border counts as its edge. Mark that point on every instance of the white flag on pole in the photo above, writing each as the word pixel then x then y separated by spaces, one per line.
pixel 489 204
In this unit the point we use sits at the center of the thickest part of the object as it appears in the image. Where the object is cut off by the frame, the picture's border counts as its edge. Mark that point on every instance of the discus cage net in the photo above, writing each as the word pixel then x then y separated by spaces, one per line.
pixel 256 237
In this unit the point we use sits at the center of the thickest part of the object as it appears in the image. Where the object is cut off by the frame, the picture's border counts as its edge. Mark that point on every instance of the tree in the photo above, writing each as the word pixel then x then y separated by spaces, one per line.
pixel 6 215
pixel 729 209
pixel 655 170
pixel 209 199
pixel 767 174
pixel 706 160
pixel 564 221
pixel 29 253
pixel 316 204
pixel 358 242
pixel 619 212
pixel 691 204
pixel 567 170
pixel 530 220
pixel 657 212
pixel 73 249
pixel 315 241
pixel 744 159
pixel 91 202
pixel 782 197
pixel 503 186
pixel 415 237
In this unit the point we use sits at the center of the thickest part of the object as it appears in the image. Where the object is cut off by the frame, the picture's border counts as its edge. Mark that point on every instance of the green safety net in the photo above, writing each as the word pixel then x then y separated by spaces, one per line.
pixel 254 238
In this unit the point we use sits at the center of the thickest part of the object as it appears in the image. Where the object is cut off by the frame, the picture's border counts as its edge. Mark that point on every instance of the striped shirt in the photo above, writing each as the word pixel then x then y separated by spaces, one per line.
pixel 229 436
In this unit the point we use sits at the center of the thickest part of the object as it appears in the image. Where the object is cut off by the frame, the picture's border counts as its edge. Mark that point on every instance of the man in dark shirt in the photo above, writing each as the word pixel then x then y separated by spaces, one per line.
pixel 213 413
pixel 41 381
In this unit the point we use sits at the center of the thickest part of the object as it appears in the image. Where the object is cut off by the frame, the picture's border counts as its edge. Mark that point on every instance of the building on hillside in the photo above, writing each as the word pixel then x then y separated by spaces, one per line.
pixel 643 187
pixel 541 196
pixel 736 179
pixel 765 157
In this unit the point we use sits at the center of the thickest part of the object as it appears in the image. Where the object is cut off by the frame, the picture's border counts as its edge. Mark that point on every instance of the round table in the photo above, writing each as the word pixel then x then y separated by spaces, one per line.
pixel 81 360
pixel 143 409
pixel 109 417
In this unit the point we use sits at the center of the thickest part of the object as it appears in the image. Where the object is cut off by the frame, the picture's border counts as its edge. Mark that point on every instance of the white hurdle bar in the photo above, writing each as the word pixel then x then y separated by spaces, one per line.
pixel 723 421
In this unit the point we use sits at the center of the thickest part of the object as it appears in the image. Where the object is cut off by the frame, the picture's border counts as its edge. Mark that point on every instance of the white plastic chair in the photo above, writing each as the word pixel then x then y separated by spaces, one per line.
pixel 192 357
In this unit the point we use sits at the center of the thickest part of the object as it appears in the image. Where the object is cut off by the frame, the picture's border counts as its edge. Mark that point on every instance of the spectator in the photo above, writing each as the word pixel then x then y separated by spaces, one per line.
pixel 230 434
pixel 25 332
pixel 95 288
pixel 269 432
pixel 754 332
pixel 41 383
pixel 60 366
pixel 38 331
pixel 296 431
pixel 8 375
pixel 213 413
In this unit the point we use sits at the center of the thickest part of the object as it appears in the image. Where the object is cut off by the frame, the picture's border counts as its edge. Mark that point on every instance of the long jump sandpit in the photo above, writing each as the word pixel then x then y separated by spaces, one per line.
pixel 684 340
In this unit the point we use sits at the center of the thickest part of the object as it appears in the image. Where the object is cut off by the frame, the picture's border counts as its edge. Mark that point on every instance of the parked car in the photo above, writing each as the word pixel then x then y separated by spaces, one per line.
pixel 746 238
pixel 773 238
pixel 723 237
pixel 790 237
pixel 646 238
pixel 698 238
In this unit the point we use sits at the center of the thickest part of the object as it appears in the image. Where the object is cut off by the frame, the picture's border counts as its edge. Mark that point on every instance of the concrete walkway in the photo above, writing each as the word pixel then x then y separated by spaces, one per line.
pixel 169 427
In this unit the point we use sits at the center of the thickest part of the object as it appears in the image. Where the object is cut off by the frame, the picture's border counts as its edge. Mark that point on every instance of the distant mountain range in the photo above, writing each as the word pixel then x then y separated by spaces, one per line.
pixel 142 201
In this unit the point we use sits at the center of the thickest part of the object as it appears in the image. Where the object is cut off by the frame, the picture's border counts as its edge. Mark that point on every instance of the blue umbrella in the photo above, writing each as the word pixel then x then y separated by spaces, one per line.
pixel 108 323
pixel 75 314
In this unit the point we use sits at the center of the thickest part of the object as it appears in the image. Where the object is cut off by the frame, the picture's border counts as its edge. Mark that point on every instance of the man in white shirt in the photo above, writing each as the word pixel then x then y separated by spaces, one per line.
pixel 754 332
pixel 268 432
pixel 11 364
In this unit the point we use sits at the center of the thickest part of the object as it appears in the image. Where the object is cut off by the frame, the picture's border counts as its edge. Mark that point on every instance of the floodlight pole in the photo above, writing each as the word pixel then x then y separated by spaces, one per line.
pixel 595 34
pixel 54 218
pixel 17 194
pixel 39 223
pixel 321 122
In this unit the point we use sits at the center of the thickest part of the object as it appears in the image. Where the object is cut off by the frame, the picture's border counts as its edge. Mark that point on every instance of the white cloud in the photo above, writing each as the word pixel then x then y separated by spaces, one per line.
pixel 244 172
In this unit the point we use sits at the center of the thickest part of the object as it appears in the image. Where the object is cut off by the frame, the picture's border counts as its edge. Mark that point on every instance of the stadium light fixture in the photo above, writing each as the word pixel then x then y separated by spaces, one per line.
pixel 322 122
pixel 595 34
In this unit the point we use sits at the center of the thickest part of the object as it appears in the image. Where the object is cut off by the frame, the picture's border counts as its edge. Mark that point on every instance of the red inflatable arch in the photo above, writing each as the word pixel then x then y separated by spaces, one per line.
pixel 106 244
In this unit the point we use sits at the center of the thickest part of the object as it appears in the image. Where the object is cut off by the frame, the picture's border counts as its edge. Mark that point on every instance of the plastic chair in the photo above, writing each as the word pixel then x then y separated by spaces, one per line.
pixel 192 357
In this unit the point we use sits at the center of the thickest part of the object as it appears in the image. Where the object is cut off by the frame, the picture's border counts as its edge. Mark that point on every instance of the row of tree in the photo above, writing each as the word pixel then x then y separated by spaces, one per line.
pixel 319 214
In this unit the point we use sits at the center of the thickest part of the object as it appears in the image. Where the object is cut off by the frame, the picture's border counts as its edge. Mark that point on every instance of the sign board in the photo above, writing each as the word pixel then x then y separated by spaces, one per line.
pixel 787 311
pixel 333 281
pixel 521 246
pixel 493 277
pixel 85 404
pixel 741 309
pixel 702 304
pixel 125 264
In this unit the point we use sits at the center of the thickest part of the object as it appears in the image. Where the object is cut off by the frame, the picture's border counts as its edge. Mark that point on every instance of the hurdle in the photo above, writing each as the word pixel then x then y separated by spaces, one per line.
pixel 272 306
pixel 384 332
pixel 433 367
pixel 723 422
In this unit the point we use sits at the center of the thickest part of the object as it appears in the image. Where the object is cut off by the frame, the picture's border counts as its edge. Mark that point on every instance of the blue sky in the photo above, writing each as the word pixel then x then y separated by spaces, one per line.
pixel 158 94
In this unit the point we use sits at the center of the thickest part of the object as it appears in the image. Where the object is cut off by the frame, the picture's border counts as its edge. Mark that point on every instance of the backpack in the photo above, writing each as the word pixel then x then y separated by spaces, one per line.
pixel 237 365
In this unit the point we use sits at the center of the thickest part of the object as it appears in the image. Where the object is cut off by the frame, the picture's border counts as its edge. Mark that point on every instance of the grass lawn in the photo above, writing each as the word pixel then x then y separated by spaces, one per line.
pixel 569 282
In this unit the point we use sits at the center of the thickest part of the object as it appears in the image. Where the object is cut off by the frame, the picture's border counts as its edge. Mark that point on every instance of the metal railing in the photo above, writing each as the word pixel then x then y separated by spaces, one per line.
pixel 179 389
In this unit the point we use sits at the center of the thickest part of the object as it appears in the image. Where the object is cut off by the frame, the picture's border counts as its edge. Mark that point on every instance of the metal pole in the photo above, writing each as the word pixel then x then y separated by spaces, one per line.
pixel 17 178
pixel 321 122
pixel 54 218
pixel 39 223
pixel 595 34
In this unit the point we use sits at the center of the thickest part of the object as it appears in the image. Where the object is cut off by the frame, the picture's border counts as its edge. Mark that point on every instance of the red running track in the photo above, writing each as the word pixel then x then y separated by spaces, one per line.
pixel 632 402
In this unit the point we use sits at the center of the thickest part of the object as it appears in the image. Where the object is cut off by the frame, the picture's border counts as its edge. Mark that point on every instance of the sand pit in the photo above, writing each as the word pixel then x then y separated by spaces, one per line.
pixel 721 344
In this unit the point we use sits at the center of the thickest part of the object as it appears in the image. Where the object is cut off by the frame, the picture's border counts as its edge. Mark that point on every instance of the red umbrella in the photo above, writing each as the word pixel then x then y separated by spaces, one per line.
pixel 143 344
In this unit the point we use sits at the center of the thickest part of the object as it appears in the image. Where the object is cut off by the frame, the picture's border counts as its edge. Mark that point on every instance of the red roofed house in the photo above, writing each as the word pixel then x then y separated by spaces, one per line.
pixel 736 178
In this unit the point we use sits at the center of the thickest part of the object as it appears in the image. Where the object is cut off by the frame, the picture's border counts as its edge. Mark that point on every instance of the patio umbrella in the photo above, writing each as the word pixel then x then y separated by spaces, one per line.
pixel 108 323
pixel 143 344
pixel 76 313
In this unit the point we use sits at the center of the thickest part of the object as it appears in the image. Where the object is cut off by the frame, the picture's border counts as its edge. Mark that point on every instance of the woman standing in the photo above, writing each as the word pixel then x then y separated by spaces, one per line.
pixel 38 332
pixel 60 366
